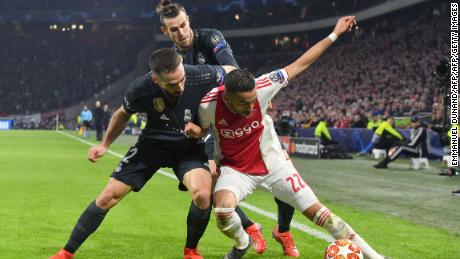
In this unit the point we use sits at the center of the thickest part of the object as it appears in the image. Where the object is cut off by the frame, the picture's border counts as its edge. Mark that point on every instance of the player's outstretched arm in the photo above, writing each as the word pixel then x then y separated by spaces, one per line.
pixel 118 122
pixel 344 24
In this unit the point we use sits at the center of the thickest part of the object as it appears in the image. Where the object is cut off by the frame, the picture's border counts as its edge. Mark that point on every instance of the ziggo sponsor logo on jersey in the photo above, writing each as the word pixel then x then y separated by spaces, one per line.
pixel 239 132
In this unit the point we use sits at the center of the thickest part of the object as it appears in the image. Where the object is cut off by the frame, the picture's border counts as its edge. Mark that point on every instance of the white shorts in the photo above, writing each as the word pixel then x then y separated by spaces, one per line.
pixel 285 184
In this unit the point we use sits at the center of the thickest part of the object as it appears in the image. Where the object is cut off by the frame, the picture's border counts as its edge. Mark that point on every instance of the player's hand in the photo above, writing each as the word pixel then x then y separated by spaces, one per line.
pixel 345 24
pixel 96 152
pixel 193 130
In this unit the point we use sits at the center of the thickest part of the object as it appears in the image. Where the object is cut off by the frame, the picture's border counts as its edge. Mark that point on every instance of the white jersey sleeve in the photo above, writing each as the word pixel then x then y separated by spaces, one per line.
pixel 269 84
pixel 207 108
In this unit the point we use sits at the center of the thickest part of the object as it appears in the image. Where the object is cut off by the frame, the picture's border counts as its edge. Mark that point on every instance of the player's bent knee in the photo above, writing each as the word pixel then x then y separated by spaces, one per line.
pixel 202 198
pixel 224 199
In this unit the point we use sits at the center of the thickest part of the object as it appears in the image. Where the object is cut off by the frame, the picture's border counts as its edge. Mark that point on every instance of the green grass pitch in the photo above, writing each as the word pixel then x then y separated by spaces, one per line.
pixel 46 182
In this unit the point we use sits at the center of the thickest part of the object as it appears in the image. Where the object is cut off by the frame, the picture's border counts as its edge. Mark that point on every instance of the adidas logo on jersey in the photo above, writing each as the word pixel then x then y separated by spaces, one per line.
pixel 164 117
pixel 223 122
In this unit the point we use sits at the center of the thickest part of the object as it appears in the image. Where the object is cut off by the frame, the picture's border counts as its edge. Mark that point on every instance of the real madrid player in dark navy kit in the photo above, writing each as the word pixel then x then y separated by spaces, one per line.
pixel 170 96
pixel 208 46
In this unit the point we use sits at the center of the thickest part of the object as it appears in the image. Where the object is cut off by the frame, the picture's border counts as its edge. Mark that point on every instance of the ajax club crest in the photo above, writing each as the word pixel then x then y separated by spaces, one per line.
pixel 158 104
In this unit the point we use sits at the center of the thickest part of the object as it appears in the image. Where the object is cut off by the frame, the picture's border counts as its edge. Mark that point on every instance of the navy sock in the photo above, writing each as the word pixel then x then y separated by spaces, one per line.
pixel 285 214
pixel 245 221
pixel 197 221
pixel 88 222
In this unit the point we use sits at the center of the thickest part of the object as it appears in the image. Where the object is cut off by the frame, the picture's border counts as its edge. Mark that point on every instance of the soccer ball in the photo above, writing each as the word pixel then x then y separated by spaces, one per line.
pixel 343 249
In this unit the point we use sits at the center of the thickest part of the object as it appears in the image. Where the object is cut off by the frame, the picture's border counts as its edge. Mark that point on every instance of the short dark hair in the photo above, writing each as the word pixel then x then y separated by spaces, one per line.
pixel 167 10
pixel 164 60
pixel 239 80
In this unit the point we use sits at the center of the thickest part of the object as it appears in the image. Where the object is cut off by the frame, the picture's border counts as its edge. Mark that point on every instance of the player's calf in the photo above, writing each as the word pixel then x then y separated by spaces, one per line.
pixel 339 229
pixel 197 221
pixel 230 224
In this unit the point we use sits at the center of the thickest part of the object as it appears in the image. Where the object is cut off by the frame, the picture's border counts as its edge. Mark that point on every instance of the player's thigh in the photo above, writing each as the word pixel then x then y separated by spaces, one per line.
pixel 197 179
pixel 137 167
pixel 289 186
pixel 192 170
pixel 241 185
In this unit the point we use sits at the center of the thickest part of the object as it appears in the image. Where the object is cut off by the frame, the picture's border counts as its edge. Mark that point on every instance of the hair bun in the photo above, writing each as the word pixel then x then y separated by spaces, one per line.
pixel 162 6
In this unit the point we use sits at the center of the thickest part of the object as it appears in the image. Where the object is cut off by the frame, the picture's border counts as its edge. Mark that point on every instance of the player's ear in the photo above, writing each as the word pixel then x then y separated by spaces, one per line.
pixel 164 30
pixel 155 79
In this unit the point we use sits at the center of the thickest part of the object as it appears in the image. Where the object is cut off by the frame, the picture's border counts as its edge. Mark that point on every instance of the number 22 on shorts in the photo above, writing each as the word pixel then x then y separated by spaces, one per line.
pixel 297 182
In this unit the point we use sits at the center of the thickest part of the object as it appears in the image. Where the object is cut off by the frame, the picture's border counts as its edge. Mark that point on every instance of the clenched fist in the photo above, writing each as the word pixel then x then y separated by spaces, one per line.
pixel 96 152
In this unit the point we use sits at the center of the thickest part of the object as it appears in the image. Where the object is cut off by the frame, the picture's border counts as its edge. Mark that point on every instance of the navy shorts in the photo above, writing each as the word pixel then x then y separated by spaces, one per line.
pixel 142 161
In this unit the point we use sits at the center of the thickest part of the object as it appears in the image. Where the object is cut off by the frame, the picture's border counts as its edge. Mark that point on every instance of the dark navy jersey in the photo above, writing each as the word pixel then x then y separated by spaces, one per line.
pixel 209 47
pixel 167 117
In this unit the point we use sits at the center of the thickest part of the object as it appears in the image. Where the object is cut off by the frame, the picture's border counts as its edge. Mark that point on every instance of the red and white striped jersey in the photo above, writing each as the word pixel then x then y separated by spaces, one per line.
pixel 247 144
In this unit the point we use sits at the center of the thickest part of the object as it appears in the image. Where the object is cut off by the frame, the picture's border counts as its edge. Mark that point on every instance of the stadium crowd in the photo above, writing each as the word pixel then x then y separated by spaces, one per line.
pixel 385 67
pixel 50 69
pixel 232 13
pixel 80 5
pixel 244 14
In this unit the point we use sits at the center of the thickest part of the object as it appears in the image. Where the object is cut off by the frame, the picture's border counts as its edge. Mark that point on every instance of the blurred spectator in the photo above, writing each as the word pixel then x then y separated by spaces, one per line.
pixel 107 116
pixel 385 137
pixel 416 147
pixel 98 115
pixel 358 122
pixel 286 126
pixel 86 116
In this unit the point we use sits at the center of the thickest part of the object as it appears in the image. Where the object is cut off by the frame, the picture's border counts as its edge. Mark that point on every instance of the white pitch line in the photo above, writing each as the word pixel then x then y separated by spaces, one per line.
pixel 257 210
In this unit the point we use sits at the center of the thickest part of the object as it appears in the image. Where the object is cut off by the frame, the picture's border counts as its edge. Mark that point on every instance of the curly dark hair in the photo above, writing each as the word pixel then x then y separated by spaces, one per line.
pixel 239 80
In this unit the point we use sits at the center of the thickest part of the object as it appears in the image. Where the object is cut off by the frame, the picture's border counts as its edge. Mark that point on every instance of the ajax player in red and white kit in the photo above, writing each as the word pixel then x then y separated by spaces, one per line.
pixel 249 152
